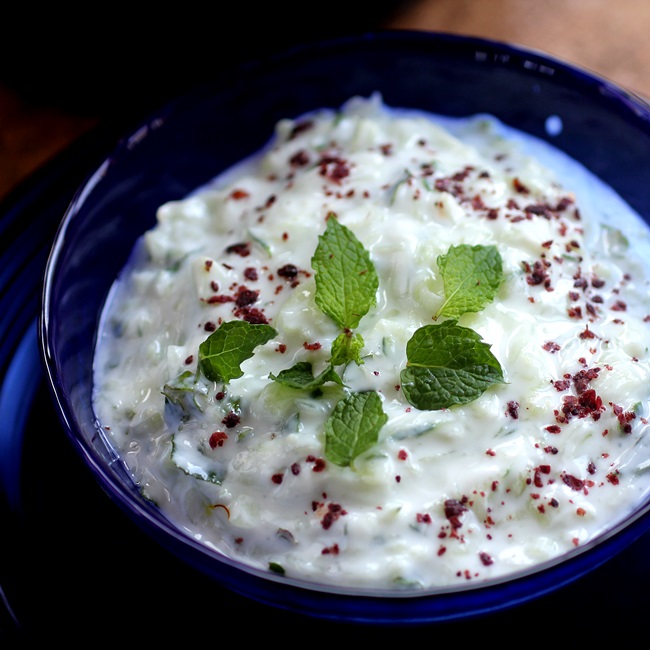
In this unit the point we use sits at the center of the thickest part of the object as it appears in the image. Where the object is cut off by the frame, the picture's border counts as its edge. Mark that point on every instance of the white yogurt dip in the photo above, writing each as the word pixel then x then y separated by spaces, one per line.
pixel 544 440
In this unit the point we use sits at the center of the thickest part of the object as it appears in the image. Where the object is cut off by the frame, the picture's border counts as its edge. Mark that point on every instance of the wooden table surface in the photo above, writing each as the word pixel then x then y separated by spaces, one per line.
pixel 609 38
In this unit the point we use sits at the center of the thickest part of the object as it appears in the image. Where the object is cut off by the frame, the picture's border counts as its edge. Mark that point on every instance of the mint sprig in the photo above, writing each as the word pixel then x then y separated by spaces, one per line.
pixel 446 365
pixel 347 347
pixel 346 289
pixel 346 280
pixel 301 375
pixel 471 277
pixel 353 427
pixel 232 343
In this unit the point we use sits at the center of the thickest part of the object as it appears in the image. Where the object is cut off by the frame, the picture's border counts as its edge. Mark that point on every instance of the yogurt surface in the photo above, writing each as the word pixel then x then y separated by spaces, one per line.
pixel 545 457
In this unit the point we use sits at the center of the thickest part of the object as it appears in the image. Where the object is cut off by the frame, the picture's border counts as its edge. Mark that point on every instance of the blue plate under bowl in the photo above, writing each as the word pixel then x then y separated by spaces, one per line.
pixel 191 140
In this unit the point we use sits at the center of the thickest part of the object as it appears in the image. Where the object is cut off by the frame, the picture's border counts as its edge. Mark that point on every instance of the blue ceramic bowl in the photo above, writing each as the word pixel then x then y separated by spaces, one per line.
pixel 189 141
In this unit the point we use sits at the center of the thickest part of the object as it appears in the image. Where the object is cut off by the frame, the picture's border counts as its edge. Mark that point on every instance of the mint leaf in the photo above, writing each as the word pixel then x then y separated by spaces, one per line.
pixel 471 275
pixel 446 365
pixel 223 352
pixel 301 375
pixel 353 427
pixel 346 281
pixel 347 347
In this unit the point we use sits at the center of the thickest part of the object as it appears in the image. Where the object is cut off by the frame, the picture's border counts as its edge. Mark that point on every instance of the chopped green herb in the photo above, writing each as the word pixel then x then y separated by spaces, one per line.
pixel 404 179
pixel 186 392
pixel 261 243
pixel 301 375
pixel 276 568
pixel 614 240
pixel 195 461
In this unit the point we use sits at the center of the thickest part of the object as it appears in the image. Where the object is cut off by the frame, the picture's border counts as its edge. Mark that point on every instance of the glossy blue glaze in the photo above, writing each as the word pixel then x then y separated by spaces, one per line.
pixel 191 140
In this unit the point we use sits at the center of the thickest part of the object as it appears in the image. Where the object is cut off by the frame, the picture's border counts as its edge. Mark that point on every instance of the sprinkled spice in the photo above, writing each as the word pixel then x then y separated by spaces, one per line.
pixel 513 409
pixel 231 420
pixel 479 488
pixel 242 249
pixel 288 271
pixel 217 439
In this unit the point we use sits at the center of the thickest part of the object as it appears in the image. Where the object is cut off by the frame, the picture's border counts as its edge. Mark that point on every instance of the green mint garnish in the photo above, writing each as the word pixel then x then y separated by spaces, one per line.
pixel 447 364
pixel 404 179
pixel 276 568
pixel 471 275
pixel 262 244
pixel 346 289
pixel 223 352
pixel 347 347
pixel 186 392
pixel 301 375
pixel 346 281
pixel 353 427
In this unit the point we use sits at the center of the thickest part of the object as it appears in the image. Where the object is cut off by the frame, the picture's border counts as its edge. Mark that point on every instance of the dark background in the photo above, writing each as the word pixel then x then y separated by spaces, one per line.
pixel 107 62
pixel 64 69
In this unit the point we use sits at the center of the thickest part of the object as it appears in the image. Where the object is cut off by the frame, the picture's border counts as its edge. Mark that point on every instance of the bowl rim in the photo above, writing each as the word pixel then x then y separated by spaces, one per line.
pixel 631 525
